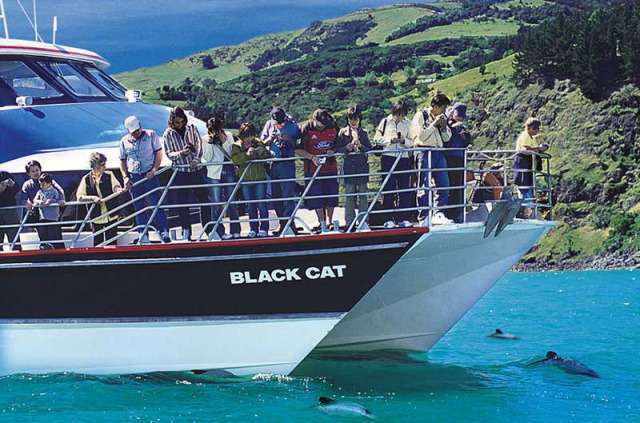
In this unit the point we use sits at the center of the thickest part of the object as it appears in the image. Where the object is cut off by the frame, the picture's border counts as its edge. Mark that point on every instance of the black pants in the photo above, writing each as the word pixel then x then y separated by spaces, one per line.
pixel 51 233
pixel 456 196
pixel 106 235
pixel 9 217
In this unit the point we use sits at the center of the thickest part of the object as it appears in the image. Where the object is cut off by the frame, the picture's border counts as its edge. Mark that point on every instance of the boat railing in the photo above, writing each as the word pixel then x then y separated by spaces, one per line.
pixel 477 165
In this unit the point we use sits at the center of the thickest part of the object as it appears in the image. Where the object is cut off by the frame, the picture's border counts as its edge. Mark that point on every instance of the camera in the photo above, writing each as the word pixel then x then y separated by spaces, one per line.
pixel 322 160
pixel 191 147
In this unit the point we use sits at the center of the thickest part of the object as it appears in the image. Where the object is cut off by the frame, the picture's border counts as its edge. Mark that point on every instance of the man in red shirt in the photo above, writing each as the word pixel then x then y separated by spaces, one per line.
pixel 317 145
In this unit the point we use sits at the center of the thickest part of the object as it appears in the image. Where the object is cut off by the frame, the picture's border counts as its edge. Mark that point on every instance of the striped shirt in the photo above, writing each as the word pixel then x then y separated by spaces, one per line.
pixel 174 143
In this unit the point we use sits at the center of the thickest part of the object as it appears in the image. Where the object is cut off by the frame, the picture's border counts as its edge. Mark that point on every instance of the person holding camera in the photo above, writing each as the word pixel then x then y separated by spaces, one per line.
pixel 393 135
pixel 31 187
pixel 524 164
pixel 317 146
pixel 183 146
pixel 222 176
pixel 353 141
pixel 454 155
pixel 280 134
pixel 429 128
pixel 8 191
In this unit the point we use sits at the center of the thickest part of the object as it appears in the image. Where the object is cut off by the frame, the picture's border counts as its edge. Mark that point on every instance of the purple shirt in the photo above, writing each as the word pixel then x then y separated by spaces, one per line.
pixel 140 153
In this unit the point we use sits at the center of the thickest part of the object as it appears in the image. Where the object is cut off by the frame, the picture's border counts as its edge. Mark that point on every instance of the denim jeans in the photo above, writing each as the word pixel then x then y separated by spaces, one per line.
pixel 350 201
pixel 456 195
pixel 283 170
pixel 220 194
pixel 400 200
pixel 441 178
pixel 181 196
pixel 160 219
pixel 257 191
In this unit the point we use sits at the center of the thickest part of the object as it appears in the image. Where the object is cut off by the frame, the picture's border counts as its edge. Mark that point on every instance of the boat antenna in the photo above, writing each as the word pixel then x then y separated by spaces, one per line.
pixel 55 29
pixel 35 27
pixel 4 20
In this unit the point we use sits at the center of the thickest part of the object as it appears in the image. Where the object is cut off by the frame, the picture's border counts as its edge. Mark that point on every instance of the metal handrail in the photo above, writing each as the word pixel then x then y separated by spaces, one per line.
pixel 471 160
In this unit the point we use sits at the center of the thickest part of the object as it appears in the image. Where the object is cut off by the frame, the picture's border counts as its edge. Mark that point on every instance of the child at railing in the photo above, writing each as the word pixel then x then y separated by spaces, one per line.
pixel 254 184
pixel 353 141
pixel 47 200
pixel 31 187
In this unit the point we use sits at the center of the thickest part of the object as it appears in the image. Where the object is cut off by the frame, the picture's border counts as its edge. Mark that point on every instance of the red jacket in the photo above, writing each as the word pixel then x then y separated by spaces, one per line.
pixel 317 142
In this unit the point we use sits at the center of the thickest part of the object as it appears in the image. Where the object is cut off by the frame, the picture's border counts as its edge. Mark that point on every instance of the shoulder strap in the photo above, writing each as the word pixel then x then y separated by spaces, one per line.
pixel 384 127
pixel 224 152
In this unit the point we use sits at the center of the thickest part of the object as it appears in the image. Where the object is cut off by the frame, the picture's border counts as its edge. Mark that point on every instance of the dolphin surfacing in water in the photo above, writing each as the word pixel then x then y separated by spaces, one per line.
pixel 502 213
pixel 568 365
pixel 498 334
pixel 331 406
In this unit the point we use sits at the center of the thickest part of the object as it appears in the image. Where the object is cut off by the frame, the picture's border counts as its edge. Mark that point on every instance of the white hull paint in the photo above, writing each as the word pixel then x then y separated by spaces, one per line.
pixel 432 286
pixel 240 346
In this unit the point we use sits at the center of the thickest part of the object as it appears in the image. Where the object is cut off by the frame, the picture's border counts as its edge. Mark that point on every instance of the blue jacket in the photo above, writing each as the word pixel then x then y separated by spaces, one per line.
pixel 281 148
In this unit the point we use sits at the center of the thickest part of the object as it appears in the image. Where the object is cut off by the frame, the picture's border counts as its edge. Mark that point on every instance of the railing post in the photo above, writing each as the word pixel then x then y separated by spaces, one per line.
pixel 464 190
pixel 429 192
pixel 380 190
pixel 300 200
pixel 82 225
pixel 17 237
pixel 228 203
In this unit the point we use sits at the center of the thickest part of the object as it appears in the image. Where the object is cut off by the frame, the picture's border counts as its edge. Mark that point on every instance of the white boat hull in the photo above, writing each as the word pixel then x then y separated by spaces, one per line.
pixel 431 287
pixel 239 346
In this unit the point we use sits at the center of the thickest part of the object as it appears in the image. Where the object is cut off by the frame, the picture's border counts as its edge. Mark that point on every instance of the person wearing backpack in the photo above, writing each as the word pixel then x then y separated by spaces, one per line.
pixel 393 135
pixel 429 128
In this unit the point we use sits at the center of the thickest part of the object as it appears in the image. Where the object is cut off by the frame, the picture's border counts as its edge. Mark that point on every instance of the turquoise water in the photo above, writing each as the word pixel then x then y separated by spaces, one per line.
pixel 591 316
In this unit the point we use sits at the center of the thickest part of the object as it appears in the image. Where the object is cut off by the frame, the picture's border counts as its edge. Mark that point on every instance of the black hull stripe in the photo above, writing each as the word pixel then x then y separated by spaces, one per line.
pixel 185 319
pixel 155 261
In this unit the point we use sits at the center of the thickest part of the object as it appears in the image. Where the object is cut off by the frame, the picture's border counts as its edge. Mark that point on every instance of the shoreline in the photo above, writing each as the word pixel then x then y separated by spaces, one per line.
pixel 620 260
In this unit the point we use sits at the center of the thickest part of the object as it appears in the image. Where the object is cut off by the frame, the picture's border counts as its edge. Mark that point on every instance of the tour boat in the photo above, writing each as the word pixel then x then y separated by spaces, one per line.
pixel 244 306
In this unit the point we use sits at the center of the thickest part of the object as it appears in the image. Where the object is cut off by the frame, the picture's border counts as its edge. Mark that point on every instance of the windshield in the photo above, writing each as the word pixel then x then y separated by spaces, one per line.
pixel 25 82
pixel 106 82
pixel 73 80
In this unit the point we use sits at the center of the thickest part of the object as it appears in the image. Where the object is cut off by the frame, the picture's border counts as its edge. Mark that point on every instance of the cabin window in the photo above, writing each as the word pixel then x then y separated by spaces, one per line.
pixel 106 82
pixel 25 82
pixel 73 80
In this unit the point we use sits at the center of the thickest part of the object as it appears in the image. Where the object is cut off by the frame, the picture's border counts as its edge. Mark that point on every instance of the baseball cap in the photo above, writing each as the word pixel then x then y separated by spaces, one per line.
pixel 278 114
pixel 132 124
pixel 460 110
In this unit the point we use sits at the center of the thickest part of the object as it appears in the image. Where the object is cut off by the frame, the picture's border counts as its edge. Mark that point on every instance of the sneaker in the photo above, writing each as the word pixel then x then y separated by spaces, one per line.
pixel 389 224
pixel 236 236
pixel 262 234
pixel 440 219
pixel 143 240
pixel 165 237
pixel 252 234
pixel 405 224
pixel 226 236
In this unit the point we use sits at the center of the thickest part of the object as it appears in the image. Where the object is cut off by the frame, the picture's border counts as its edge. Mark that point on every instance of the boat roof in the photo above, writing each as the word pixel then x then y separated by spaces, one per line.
pixel 33 48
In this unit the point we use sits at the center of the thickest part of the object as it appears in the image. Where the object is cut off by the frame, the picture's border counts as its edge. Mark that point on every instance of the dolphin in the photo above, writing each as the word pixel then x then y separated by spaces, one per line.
pixel 498 334
pixel 507 218
pixel 331 406
pixel 501 212
pixel 568 365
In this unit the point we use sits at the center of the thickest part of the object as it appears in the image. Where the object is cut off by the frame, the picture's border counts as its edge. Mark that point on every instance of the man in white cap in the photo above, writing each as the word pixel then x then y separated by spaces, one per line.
pixel 140 157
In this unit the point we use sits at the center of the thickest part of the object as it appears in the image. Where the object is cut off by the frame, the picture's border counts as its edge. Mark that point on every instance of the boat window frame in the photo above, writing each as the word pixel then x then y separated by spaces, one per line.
pixel 84 67
pixel 59 99
pixel 67 86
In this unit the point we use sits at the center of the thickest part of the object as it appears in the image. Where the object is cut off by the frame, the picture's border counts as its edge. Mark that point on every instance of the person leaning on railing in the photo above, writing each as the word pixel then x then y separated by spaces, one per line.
pixel 429 128
pixel 353 141
pixel 524 164
pixel 31 187
pixel 140 157
pixel 393 133
pixel 254 184
pixel 47 200
pixel 96 186
pixel 318 138
pixel 183 145
pixel 216 148
pixel 280 134
pixel 8 216
pixel 454 156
